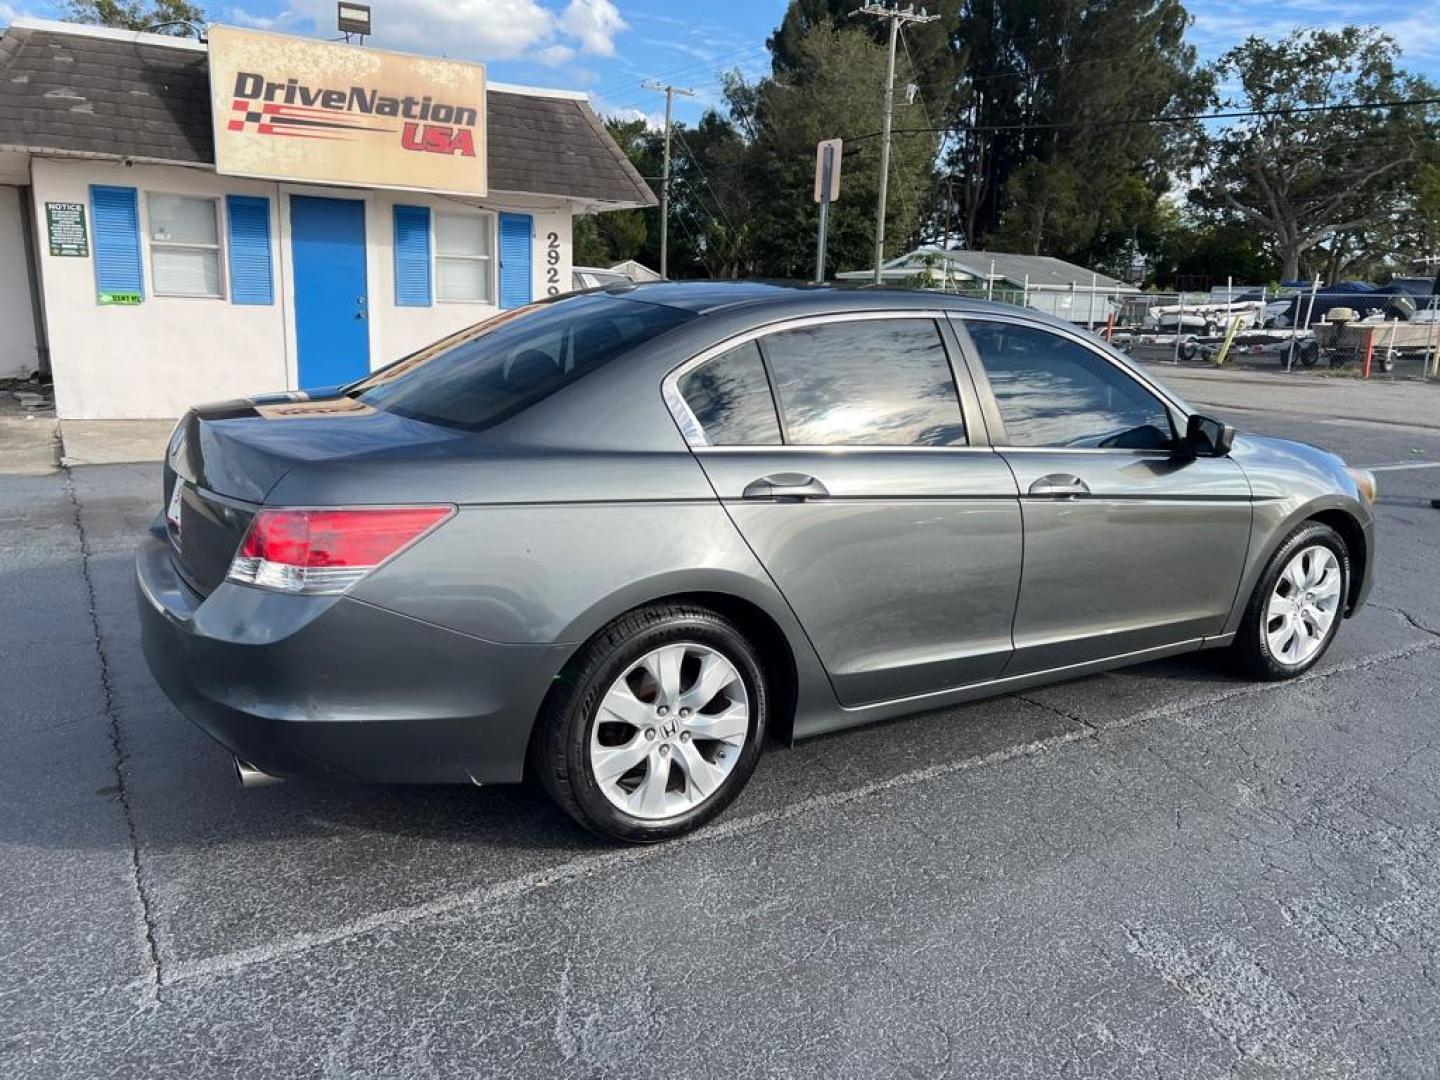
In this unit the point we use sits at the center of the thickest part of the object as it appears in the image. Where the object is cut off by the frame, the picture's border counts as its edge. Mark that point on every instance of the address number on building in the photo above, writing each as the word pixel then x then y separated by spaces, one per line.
pixel 552 264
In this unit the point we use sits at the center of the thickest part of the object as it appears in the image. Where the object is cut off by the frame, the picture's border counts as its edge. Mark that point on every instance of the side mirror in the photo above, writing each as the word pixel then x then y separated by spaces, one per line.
pixel 1208 437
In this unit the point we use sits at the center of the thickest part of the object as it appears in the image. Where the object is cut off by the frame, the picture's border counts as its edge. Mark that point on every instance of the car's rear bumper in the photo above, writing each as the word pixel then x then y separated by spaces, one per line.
pixel 334 687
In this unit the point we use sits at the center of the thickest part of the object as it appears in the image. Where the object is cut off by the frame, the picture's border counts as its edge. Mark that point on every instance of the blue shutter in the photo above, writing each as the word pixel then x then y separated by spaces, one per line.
pixel 251 281
pixel 412 256
pixel 515 271
pixel 115 212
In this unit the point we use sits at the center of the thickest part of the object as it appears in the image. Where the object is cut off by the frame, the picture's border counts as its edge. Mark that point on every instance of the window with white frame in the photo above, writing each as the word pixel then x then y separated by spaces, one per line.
pixel 465 257
pixel 184 245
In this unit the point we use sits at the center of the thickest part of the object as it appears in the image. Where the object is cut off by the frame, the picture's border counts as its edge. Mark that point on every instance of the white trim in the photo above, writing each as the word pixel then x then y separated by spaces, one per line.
pixel 95 155
pixel 538 91
pixel 137 37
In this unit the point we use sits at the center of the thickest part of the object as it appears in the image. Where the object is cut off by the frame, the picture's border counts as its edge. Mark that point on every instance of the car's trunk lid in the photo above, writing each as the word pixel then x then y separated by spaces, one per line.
pixel 226 458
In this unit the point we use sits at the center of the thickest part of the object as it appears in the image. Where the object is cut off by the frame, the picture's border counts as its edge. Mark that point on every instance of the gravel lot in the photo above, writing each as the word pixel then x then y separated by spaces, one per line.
pixel 1161 872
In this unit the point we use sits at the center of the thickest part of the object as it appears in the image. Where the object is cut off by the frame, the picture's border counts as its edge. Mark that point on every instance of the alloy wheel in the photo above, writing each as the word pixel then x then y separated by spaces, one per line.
pixel 1303 605
pixel 669 731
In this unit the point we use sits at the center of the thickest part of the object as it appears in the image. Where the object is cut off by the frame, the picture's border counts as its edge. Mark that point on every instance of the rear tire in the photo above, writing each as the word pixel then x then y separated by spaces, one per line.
pixel 611 711
pixel 1297 606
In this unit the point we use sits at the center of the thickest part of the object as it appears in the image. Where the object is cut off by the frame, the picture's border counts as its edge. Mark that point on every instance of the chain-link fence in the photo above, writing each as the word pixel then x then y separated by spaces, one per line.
pixel 1368 331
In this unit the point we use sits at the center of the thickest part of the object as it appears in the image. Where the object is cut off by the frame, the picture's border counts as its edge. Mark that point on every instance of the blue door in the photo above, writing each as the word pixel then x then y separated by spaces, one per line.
pixel 332 332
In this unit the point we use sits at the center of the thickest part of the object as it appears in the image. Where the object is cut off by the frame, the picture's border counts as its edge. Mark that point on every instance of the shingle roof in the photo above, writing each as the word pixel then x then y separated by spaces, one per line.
pixel 127 96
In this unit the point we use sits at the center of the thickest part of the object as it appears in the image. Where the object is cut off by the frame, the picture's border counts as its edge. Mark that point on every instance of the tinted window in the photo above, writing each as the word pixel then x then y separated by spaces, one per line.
pixel 484 375
pixel 730 396
pixel 881 382
pixel 1056 392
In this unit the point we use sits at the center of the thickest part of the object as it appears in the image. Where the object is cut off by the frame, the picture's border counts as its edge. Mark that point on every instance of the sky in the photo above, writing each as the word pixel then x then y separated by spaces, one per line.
pixel 607 48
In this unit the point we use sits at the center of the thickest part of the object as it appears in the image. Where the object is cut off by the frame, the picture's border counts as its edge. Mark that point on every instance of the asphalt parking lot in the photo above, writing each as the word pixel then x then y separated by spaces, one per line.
pixel 1159 872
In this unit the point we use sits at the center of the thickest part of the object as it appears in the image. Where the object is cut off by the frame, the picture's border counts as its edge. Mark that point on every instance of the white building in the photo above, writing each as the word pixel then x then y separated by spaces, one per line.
pixel 1046 284
pixel 145 281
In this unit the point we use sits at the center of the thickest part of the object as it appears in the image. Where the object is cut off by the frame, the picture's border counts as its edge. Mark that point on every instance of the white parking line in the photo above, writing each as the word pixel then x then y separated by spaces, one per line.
pixel 585 865
pixel 1403 466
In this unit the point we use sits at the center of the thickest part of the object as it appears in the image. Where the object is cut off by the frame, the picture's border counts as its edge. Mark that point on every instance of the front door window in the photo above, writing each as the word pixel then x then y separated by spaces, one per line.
pixel 1055 392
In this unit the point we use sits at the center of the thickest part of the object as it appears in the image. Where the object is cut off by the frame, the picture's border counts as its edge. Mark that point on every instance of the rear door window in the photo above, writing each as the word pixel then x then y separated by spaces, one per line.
pixel 729 396
pixel 1054 392
pixel 868 382
pixel 497 369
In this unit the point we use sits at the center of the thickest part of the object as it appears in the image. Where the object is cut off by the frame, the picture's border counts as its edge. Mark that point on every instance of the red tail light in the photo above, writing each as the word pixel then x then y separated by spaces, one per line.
pixel 327 551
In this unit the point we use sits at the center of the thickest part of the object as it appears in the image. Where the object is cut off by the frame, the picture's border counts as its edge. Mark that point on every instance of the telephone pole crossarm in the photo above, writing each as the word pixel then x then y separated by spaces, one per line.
pixel 669 92
pixel 897 18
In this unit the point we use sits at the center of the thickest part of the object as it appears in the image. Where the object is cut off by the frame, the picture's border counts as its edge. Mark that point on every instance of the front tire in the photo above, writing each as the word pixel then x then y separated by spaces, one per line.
pixel 656 725
pixel 1296 608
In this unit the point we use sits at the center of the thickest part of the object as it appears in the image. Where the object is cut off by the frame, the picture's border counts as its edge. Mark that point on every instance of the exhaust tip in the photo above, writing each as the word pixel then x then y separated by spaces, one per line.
pixel 251 777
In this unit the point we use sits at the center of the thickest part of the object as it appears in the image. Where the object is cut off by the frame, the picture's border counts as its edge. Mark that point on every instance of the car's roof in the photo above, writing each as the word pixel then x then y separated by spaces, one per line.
pixel 709 297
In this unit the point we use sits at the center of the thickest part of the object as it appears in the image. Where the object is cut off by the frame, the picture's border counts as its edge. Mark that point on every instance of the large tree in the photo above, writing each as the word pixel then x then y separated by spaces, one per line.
pixel 831 84
pixel 1055 150
pixel 178 18
pixel 1301 174
pixel 928 59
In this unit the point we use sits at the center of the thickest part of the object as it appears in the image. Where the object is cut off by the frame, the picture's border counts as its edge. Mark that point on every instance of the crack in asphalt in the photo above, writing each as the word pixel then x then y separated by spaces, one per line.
pixel 585 866
pixel 150 985
pixel 1411 619
pixel 1057 711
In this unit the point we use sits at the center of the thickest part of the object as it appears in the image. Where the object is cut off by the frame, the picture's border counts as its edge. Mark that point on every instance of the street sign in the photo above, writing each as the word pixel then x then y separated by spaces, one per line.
pixel 827 190
pixel 827 170
pixel 65 228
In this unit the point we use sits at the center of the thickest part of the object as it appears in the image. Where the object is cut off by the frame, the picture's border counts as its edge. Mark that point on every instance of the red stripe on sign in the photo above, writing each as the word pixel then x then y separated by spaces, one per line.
pixel 237 125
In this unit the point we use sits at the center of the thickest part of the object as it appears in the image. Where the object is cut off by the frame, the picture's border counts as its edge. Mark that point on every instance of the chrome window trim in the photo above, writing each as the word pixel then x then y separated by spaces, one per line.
pixel 691 429
pixel 1158 452
pixel 839 449
pixel 1167 398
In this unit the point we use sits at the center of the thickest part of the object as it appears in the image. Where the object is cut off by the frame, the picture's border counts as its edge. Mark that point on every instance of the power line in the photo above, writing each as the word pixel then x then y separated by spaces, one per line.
pixel 704 177
pixel 895 17
pixel 925 112
pixel 688 71
pixel 1240 114
pixel 670 92
pixel 697 65
pixel 734 235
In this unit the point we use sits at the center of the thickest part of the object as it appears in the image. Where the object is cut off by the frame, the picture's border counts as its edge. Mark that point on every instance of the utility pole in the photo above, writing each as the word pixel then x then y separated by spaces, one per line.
pixel 670 92
pixel 897 18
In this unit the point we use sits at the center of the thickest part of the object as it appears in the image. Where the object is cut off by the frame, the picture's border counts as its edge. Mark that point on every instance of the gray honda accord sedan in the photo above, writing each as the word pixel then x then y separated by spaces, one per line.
pixel 616 541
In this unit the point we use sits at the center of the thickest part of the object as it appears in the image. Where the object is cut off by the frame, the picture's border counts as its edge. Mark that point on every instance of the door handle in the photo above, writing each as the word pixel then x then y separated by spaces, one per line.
pixel 1059 486
pixel 788 487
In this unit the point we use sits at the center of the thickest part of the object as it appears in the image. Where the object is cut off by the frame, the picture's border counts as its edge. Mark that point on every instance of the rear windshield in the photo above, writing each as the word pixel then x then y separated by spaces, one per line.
pixel 484 375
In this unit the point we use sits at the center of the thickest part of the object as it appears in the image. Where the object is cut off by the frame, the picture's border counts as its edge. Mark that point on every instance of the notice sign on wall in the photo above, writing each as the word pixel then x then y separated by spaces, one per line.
pixel 65 226
pixel 288 108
